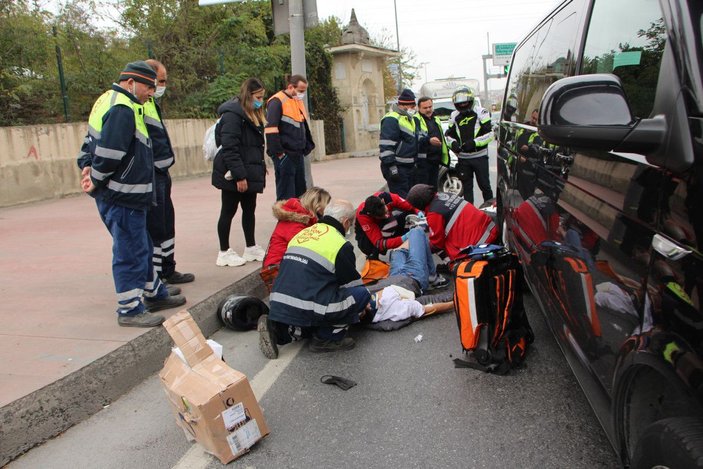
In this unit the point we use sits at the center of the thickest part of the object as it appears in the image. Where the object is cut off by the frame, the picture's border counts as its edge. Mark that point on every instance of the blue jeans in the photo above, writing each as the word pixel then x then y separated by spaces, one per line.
pixel 132 267
pixel 290 176
pixel 416 261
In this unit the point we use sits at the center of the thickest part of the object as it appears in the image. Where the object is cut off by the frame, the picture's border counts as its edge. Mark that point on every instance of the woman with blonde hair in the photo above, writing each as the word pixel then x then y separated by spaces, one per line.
pixel 239 171
pixel 293 215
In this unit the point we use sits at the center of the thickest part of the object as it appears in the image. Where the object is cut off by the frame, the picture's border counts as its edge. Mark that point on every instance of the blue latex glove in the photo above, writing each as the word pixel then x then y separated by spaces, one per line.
pixel 420 214
pixel 404 237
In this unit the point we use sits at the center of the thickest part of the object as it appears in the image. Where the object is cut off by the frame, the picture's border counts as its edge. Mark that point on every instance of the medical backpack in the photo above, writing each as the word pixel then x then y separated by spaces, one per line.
pixel 493 326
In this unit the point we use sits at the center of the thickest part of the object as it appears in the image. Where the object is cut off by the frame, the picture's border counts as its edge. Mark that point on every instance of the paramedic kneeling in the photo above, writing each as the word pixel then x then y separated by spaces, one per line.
pixel 318 292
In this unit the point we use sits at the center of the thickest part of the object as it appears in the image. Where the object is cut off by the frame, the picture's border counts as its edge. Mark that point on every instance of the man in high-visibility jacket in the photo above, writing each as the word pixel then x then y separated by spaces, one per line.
pixel 435 151
pixel 288 137
pixel 318 292
pixel 470 133
pixel 161 217
pixel 399 141
pixel 118 167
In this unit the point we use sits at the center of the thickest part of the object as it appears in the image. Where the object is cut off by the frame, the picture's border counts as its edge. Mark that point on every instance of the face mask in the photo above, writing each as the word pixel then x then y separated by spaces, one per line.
pixel 300 96
pixel 258 104
pixel 411 112
pixel 160 90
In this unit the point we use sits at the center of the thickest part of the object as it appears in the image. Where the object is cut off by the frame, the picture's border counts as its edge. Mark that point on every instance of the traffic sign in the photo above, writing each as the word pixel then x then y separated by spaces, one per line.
pixel 502 52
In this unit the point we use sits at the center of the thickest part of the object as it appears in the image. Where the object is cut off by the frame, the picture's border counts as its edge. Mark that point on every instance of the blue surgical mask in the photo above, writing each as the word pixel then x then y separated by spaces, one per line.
pixel 258 104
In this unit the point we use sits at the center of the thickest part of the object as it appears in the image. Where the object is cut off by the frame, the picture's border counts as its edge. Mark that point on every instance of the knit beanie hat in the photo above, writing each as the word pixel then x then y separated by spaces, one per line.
pixel 139 71
pixel 420 195
pixel 406 97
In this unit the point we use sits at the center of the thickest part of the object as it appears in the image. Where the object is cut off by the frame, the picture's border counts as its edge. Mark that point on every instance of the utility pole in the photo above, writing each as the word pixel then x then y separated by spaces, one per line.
pixel 296 21
pixel 400 58
pixel 62 80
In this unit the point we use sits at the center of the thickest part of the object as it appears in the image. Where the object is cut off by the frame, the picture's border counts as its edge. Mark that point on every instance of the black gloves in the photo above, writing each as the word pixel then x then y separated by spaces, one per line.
pixel 456 147
pixel 393 174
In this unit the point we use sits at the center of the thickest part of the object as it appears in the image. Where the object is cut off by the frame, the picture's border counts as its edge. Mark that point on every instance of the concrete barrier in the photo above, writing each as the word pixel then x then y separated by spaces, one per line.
pixel 39 162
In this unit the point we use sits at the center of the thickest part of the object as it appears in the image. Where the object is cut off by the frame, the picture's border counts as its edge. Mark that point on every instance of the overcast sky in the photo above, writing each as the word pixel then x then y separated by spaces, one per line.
pixel 451 35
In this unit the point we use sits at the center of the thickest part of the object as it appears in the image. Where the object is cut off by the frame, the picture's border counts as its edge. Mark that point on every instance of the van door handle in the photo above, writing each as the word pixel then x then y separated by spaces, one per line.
pixel 669 249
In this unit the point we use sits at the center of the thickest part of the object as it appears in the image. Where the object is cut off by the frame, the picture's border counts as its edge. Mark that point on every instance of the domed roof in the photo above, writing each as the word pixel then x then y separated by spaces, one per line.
pixel 354 33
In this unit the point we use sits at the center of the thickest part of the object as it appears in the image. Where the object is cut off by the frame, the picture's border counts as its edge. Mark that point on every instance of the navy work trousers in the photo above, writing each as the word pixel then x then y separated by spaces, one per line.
pixel 161 223
pixel 132 269
pixel 290 176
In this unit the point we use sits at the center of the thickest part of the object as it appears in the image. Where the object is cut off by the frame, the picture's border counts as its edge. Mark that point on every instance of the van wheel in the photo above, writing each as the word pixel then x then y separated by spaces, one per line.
pixel 670 443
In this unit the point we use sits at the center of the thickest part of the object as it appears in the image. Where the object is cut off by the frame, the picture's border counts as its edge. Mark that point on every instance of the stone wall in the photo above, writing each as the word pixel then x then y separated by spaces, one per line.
pixel 39 162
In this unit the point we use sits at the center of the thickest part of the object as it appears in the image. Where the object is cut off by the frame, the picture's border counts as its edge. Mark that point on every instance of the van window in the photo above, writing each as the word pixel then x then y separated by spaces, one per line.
pixel 626 38
pixel 545 57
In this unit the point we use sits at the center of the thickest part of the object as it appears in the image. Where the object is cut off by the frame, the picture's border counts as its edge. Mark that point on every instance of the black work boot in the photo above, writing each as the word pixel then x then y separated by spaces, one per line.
pixel 178 277
pixel 140 320
pixel 267 337
pixel 323 346
pixel 172 289
pixel 164 303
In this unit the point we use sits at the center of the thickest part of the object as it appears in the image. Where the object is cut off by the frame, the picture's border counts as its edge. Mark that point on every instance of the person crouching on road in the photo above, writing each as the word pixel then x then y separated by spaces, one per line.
pixel 318 292
pixel 293 215
pixel 454 223
pixel 239 171
pixel 380 223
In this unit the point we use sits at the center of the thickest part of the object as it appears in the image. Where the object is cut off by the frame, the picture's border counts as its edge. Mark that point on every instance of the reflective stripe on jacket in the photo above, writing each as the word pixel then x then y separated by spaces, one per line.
pixel 444 161
pixel 471 126
pixel 399 139
pixel 287 128
pixel 160 141
pixel 121 158
pixel 317 266
pixel 456 224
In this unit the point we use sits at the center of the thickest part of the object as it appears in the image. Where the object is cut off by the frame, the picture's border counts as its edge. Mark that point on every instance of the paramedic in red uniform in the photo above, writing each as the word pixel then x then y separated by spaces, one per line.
pixel 454 223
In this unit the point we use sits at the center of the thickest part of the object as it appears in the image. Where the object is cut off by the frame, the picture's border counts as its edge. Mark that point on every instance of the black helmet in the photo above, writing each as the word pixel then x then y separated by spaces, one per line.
pixel 463 97
pixel 241 312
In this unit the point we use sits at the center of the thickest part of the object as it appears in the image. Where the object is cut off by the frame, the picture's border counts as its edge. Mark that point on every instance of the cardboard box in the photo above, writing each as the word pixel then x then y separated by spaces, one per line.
pixel 213 403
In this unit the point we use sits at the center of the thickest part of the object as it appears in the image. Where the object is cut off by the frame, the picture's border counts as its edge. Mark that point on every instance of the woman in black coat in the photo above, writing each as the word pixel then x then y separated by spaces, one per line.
pixel 239 170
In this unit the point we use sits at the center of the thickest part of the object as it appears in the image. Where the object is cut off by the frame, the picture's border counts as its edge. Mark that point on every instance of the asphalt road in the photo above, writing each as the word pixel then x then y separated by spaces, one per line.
pixel 411 408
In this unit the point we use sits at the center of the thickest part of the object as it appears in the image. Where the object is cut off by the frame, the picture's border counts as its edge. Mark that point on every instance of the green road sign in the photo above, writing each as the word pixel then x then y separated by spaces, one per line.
pixel 502 51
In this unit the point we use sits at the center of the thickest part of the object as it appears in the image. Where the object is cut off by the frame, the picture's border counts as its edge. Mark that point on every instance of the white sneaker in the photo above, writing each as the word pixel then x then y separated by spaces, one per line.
pixel 229 258
pixel 254 253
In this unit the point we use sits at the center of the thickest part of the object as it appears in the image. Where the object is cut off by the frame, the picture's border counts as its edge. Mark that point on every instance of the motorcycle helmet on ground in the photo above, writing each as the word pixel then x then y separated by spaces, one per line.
pixel 463 98
pixel 241 313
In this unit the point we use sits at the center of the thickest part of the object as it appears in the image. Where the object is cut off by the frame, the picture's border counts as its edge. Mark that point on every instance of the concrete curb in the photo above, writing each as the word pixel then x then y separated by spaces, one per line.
pixel 43 414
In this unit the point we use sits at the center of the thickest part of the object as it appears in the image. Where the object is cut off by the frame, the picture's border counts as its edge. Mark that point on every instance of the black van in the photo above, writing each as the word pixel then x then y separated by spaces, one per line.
pixel 600 192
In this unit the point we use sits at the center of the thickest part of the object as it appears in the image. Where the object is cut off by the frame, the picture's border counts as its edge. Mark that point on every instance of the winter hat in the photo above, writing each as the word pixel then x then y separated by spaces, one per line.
pixel 420 195
pixel 406 97
pixel 139 71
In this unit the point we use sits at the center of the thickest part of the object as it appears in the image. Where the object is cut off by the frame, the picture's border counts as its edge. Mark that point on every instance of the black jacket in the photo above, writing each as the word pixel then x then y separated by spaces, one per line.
pixel 242 150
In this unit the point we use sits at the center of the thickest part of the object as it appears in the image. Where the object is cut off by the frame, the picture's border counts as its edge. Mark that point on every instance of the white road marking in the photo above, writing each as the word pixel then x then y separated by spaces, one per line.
pixel 196 457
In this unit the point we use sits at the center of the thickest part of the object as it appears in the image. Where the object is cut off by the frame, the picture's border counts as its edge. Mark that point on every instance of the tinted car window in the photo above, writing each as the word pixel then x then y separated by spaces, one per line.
pixel 545 57
pixel 627 38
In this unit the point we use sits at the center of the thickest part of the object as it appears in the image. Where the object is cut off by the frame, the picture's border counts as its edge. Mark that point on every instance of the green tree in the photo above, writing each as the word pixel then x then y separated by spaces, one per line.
pixel 25 63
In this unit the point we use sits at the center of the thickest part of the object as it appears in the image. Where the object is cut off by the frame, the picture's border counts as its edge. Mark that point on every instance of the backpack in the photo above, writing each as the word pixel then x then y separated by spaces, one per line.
pixel 210 147
pixel 493 326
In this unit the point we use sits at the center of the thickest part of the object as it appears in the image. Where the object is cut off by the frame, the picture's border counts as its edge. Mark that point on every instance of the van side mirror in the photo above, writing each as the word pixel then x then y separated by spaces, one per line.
pixel 591 111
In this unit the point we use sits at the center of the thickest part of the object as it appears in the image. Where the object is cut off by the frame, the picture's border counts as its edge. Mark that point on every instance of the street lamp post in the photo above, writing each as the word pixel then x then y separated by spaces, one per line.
pixel 424 65
pixel 400 58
